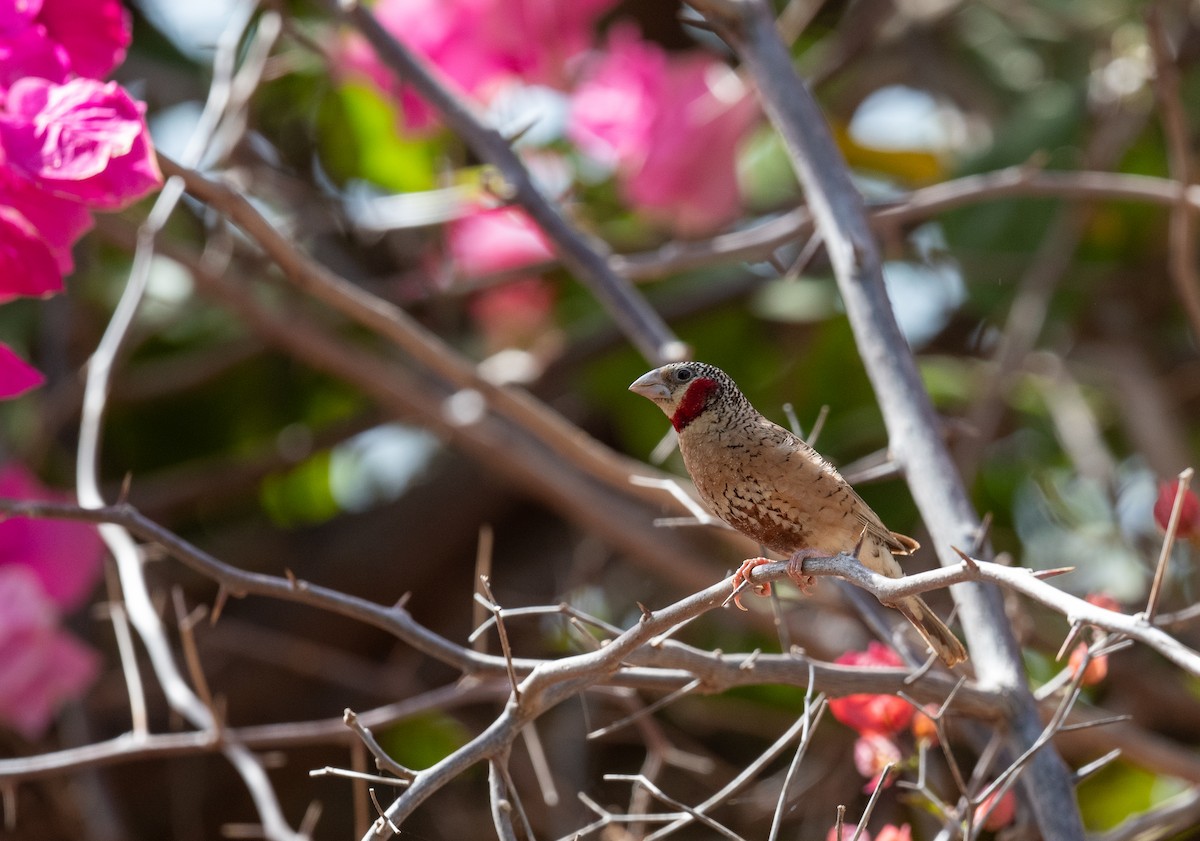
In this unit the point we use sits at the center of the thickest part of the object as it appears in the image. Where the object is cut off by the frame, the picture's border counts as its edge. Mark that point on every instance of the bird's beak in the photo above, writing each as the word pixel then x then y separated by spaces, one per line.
pixel 651 386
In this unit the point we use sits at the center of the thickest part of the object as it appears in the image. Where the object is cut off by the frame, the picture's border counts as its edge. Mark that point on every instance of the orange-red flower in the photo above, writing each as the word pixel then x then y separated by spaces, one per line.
pixel 923 727
pixel 1189 513
pixel 1103 600
pixel 1096 670
pixel 885 714
pixel 1002 815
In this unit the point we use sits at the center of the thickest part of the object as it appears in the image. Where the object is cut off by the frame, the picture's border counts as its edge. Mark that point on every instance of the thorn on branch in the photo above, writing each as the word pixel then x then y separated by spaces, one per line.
pixel 382 760
pixel 1095 765
pixel 1042 574
pixel 218 605
pixel 967 559
pixel 981 534
pixel 502 632
pixel 1072 636
pixel 383 819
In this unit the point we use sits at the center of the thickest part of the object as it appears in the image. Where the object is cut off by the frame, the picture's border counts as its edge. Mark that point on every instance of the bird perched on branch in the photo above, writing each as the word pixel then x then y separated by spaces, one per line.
pixel 773 487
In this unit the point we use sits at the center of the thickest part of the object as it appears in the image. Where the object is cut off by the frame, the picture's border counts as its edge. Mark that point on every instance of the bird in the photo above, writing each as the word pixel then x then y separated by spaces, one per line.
pixel 770 485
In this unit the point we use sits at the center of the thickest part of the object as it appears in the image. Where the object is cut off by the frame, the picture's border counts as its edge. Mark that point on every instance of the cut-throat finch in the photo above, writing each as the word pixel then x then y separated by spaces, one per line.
pixel 772 487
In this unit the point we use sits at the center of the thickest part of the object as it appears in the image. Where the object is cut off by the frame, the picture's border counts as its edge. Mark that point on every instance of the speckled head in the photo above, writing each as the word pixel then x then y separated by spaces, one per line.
pixel 685 391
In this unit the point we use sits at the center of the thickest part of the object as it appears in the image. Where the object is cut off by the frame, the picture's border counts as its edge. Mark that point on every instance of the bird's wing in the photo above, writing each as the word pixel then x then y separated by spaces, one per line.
pixel 801 473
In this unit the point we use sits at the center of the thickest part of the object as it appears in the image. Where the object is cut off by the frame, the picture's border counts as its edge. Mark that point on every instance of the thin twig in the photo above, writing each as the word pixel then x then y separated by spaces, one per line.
pixel 797 758
pixel 382 760
pixel 489 601
pixel 648 709
pixel 1164 555
pixel 483 570
pixel 541 766
pixel 502 807
pixel 638 779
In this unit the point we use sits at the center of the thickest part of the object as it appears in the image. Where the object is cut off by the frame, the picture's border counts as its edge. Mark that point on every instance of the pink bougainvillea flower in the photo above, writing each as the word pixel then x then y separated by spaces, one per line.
pixel 495 241
pixel 478 45
pixel 40 664
pixel 84 140
pixel 670 124
pixel 64 556
pixel 517 312
pixel 884 714
pixel 16 15
pixel 27 262
pixel 891 832
pixel 873 753
pixel 1003 813
pixel 1189 514
pixel 613 112
pixel 30 51
pixel 16 375
pixel 59 223
pixel 94 33
pixel 689 175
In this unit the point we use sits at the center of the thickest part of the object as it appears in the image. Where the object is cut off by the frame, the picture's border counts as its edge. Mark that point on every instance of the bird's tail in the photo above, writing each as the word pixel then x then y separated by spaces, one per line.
pixel 933 630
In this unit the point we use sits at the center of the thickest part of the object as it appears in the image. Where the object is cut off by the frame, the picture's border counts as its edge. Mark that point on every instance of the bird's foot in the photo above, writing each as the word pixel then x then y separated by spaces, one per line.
pixel 743 576
pixel 795 569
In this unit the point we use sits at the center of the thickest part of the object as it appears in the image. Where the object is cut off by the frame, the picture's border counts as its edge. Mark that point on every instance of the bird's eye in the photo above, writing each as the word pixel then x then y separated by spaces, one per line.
pixel 683 374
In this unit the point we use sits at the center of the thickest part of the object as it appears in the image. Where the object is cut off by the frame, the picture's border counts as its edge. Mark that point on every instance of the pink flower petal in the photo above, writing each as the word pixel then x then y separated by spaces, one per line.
pixel 16 16
pixel 31 52
pixel 496 240
pixel 59 222
pixel 16 375
pixel 84 140
pixel 65 556
pixel 891 832
pixel 613 110
pixel 40 665
pixel 671 125
pixel 94 33
pixel 873 753
pixel 477 45
pixel 28 265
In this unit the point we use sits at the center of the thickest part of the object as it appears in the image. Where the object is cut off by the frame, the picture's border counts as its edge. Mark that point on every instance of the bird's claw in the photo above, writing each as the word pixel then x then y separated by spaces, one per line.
pixel 795 569
pixel 742 576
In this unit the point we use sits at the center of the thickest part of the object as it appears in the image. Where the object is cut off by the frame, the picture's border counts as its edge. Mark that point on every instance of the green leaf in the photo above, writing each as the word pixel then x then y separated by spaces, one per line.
pixel 424 740
pixel 302 495
pixel 359 139
pixel 1120 790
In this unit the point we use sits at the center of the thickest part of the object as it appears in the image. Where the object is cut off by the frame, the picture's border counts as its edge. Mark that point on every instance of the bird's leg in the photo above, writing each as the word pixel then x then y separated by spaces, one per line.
pixel 743 574
pixel 795 569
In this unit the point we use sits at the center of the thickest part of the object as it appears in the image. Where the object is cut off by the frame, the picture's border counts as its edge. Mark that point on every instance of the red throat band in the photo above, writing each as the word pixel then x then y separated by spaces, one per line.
pixel 694 402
